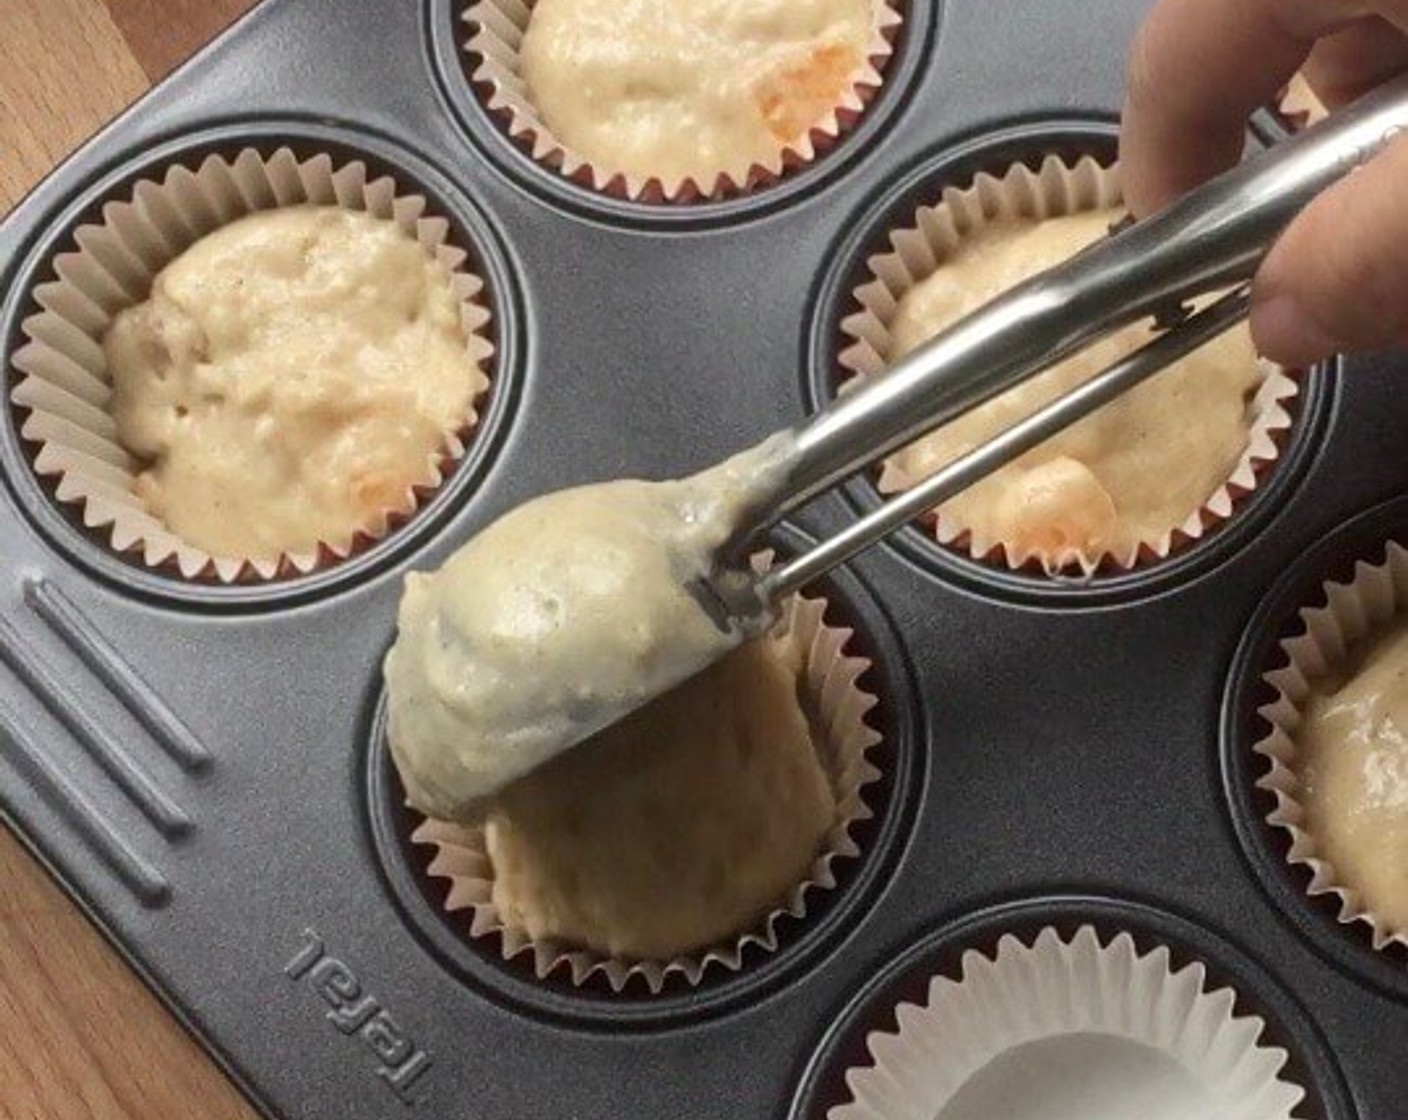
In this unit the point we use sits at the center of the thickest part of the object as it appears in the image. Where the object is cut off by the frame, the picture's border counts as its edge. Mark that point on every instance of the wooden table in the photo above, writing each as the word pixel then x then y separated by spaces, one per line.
pixel 66 67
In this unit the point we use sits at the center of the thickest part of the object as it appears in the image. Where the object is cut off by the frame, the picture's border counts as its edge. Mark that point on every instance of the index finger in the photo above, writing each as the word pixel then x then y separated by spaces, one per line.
pixel 1198 68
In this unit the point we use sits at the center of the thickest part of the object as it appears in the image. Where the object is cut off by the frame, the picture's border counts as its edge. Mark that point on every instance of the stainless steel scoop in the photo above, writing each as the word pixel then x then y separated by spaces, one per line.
pixel 1210 241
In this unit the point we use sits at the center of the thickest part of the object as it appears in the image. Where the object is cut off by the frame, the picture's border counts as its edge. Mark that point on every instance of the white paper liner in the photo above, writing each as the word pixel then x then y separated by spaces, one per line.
pixel 1105 1033
pixel 65 387
pixel 839 707
pixel 1354 612
pixel 1056 188
pixel 496 34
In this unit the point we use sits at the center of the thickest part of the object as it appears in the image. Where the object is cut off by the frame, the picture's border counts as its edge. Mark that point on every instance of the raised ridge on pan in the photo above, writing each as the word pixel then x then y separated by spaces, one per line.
pixel 147 883
pixel 62 616
pixel 63 701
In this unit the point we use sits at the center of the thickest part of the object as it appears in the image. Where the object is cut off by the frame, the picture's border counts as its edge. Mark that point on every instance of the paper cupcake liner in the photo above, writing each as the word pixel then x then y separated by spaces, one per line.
pixel 1054 189
pixel 1071 1029
pixel 839 705
pixel 63 386
pixel 496 34
pixel 1353 611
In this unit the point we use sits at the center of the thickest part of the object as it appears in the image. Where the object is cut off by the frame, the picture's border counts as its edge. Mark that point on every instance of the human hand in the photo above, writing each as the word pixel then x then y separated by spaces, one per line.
pixel 1337 279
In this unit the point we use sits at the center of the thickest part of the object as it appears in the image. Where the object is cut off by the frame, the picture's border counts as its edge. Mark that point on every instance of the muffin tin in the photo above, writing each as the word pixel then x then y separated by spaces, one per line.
pixel 202 766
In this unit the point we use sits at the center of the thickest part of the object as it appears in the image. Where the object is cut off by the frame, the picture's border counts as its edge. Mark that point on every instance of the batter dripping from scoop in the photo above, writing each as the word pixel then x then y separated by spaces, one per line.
pixel 561 617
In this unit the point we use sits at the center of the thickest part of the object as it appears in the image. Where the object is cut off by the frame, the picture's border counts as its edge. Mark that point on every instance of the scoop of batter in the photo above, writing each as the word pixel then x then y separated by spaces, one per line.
pixel 558 619
pixel 1352 764
pixel 1129 473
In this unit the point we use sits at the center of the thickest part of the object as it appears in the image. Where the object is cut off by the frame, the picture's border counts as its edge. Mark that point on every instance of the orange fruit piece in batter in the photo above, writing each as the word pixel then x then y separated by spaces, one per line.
pixel 798 94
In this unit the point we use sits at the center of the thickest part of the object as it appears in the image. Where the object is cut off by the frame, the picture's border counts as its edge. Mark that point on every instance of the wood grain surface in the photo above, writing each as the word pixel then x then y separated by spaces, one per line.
pixel 80 1037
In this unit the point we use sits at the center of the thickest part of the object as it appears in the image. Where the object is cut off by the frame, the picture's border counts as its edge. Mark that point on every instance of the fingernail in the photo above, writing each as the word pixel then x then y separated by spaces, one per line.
pixel 1285 332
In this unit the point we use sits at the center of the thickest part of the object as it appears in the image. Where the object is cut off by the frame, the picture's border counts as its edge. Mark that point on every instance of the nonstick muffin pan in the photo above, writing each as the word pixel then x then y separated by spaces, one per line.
pixel 202 765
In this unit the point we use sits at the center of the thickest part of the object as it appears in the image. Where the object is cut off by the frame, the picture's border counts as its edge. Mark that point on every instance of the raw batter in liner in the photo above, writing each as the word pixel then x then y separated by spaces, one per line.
pixel 669 90
pixel 1352 770
pixel 291 377
pixel 680 827
pixel 1128 474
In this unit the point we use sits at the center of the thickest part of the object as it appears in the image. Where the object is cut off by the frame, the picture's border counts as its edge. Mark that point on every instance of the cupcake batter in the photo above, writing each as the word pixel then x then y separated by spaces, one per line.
pixel 1352 767
pixel 559 618
pixel 1131 472
pixel 292 376
pixel 658 88
pixel 705 808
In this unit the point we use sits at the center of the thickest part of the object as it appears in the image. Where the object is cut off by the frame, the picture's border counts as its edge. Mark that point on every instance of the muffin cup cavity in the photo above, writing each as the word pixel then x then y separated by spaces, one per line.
pixel 1354 611
pixel 495 35
pixel 1079 1026
pixel 1050 188
pixel 60 385
pixel 838 706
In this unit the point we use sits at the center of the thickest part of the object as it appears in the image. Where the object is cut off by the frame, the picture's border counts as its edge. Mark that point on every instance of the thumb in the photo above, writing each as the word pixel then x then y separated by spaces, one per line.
pixel 1337 279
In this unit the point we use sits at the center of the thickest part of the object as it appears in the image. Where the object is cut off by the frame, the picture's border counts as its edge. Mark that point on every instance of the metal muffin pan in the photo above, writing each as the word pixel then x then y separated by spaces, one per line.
pixel 201 766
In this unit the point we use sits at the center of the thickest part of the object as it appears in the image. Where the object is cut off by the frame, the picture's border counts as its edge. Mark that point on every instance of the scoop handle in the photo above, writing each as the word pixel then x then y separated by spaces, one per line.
pixel 1211 239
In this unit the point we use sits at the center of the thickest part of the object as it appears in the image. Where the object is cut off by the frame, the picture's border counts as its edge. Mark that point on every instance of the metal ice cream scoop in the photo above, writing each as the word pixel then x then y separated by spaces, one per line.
pixel 631 593
pixel 1211 240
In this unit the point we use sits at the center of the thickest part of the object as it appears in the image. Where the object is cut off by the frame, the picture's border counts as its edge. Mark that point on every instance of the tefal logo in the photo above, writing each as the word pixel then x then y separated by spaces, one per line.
pixel 356 1013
